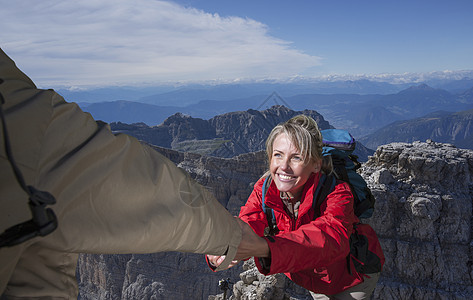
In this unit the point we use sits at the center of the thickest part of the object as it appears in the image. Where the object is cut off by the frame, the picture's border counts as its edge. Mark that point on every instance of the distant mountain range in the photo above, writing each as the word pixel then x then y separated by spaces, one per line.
pixel 454 128
pixel 361 114
pixel 180 94
pixel 364 114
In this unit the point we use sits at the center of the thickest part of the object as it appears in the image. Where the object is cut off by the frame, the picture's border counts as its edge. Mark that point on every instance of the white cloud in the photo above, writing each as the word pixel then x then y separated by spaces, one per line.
pixel 105 42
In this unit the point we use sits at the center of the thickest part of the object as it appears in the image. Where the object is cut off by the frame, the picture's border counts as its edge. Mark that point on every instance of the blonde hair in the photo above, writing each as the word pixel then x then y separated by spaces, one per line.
pixel 303 133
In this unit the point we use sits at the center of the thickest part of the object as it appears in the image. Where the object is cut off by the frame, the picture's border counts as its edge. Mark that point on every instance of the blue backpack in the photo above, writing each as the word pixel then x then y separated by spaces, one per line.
pixel 339 145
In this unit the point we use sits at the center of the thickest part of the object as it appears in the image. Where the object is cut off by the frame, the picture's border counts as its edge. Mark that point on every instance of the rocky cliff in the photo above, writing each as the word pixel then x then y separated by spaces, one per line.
pixel 423 217
pixel 225 135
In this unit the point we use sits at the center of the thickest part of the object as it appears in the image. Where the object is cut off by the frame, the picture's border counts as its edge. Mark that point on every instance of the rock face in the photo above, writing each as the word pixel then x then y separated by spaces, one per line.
pixel 423 217
pixel 229 134
pixel 254 285
pixel 247 131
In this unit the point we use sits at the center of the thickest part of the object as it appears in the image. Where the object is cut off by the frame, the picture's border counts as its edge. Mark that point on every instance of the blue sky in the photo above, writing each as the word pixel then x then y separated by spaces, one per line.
pixel 117 42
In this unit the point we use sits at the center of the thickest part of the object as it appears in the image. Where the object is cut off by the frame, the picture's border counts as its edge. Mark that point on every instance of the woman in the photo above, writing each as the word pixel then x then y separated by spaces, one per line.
pixel 312 253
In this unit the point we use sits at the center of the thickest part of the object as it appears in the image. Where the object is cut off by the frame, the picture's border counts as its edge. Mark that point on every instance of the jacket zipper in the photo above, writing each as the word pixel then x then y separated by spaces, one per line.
pixel 293 218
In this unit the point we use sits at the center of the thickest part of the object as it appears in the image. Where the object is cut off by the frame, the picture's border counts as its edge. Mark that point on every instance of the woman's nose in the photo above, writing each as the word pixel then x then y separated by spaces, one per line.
pixel 285 164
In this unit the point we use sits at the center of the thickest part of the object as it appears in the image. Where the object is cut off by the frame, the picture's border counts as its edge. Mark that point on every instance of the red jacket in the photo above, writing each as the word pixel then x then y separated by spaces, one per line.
pixel 312 253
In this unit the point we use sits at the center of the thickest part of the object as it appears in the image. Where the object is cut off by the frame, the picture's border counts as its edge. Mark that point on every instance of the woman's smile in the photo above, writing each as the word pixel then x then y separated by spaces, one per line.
pixel 285 177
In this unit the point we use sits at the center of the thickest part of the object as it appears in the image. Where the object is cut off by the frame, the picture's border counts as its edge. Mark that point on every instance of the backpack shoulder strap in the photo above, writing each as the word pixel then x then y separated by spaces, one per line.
pixel 272 228
pixel 325 186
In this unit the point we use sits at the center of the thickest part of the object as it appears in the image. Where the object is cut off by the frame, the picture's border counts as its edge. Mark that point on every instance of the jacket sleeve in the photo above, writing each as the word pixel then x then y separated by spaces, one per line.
pixel 114 194
pixel 318 243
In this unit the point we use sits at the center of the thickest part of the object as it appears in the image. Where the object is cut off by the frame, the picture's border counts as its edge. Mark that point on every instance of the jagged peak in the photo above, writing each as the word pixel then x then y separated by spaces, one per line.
pixel 278 107
pixel 176 117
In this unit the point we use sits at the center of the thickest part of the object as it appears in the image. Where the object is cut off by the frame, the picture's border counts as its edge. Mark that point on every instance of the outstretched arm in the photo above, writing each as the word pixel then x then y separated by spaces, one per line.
pixel 114 194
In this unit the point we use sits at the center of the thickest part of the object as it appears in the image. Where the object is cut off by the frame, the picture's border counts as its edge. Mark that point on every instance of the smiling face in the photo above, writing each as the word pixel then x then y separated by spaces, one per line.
pixel 287 166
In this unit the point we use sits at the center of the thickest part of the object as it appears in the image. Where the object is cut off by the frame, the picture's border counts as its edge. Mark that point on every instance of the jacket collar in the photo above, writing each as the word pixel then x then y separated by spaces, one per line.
pixel 273 199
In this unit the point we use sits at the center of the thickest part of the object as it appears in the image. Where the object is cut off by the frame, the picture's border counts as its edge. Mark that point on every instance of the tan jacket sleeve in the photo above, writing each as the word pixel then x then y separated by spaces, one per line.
pixel 114 195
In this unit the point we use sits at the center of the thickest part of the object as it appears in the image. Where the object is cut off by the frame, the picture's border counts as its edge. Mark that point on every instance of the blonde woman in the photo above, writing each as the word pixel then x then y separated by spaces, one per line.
pixel 311 252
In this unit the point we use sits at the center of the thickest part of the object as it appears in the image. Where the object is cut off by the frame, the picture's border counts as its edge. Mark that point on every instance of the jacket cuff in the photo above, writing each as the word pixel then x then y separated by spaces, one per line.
pixel 212 267
pixel 264 263
pixel 231 250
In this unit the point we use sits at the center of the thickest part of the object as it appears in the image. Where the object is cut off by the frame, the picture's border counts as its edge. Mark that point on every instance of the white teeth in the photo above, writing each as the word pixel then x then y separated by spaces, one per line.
pixel 285 176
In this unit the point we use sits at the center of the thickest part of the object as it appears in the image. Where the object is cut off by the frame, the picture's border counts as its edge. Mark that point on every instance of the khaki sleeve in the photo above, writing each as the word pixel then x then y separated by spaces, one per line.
pixel 114 195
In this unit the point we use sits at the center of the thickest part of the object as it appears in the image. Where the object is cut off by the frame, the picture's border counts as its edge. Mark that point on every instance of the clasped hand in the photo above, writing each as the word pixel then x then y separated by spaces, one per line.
pixel 251 245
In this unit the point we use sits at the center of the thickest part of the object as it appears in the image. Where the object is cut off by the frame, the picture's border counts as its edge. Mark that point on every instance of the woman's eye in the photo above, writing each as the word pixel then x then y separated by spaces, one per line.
pixel 297 158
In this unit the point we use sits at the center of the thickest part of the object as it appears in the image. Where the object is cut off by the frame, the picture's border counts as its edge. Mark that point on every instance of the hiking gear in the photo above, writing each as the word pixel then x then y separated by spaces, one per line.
pixel 312 253
pixel 272 228
pixel 365 250
pixel 339 145
pixel 114 194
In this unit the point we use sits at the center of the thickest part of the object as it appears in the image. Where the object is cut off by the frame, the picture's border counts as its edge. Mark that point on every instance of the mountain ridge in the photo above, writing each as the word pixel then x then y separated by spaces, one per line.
pixel 453 81
pixel 360 114
pixel 225 135
pixel 445 127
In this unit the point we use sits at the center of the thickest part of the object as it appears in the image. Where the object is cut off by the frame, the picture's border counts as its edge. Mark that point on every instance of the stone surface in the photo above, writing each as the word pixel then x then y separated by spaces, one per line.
pixel 423 217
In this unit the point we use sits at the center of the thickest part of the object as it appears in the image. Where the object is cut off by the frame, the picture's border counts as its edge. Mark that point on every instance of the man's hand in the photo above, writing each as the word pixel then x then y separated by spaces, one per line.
pixel 251 244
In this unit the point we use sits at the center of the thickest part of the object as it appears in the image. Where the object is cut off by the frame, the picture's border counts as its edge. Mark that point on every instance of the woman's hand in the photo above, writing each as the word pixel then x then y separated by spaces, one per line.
pixel 216 260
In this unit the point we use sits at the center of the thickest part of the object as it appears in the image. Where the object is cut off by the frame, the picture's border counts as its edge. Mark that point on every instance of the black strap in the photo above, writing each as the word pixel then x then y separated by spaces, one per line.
pixel 44 220
pixel 324 188
pixel 366 205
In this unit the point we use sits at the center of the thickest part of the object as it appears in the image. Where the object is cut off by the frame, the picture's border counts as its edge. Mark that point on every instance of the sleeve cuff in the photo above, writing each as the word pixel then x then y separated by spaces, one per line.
pixel 212 267
pixel 231 251
pixel 264 263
